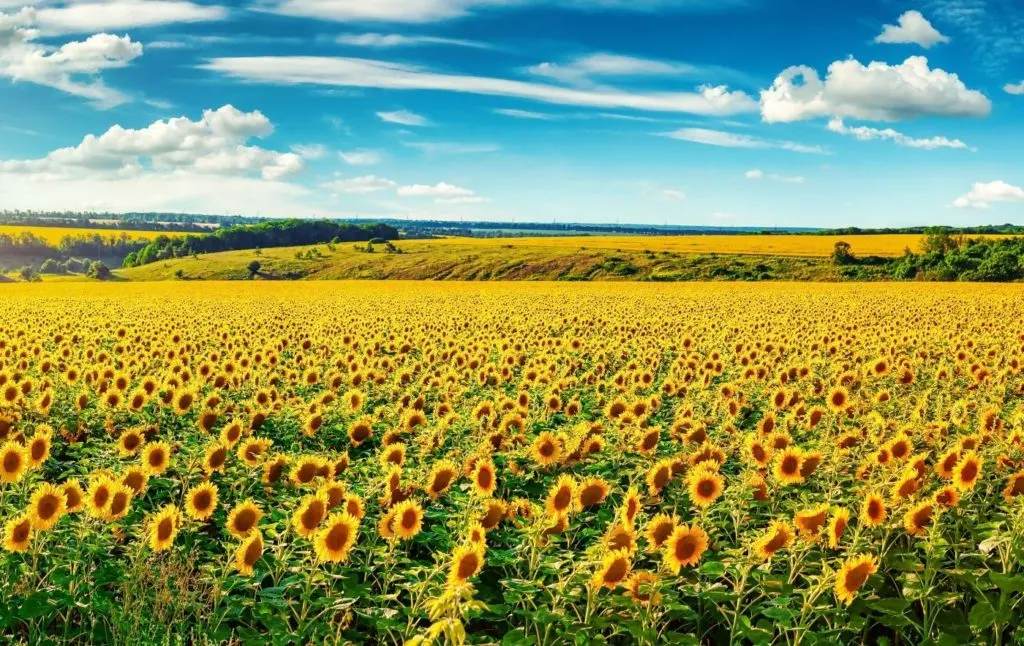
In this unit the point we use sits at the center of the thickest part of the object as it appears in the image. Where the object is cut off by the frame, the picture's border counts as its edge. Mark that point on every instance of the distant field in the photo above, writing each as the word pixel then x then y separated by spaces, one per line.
pixel 808 246
pixel 53 235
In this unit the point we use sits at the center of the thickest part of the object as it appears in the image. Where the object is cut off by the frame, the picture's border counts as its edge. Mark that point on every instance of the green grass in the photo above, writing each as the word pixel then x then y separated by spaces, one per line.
pixel 427 260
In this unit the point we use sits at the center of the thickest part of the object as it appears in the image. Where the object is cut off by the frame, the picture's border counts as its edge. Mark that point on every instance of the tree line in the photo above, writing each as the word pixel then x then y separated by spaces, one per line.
pixel 279 233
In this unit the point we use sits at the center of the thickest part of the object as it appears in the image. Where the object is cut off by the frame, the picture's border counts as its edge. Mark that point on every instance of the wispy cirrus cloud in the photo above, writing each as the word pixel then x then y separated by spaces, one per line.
pixel 84 16
pixel 403 118
pixel 367 73
pixel 390 41
pixel 726 139
pixel 865 133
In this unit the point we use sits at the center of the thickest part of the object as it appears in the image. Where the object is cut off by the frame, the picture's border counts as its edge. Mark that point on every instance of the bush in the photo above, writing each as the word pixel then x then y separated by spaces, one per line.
pixel 51 266
pixel 99 271
pixel 842 254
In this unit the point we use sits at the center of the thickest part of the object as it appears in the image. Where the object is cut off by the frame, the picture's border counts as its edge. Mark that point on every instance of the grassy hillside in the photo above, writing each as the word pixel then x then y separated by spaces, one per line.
pixel 471 259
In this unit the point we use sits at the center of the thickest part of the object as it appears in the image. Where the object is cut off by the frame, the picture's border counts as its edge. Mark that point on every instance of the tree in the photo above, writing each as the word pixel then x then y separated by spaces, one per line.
pixel 938 241
pixel 99 271
pixel 842 254
pixel 254 268
pixel 51 266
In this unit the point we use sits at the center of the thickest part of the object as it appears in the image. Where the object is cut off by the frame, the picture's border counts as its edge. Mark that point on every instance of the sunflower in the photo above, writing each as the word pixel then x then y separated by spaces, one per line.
pixel 592 492
pixel 18 533
pixel 98 496
pixel 74 497
pixel 613 570
pixel 156 457
pixel 947 463
pixel 642 587
pixel 408 519
pixel 787 468
pixel 335 493
pixel 852 575
pixel 684 547
pixel 658 476
pixel 201 501
pixel 919 517
pixel 872 511
pixel 467 560
pixel 647 444
pixel 120 502
pixel 705 485
pixel 231 433
pixel 307 467
pixel 354 506
pixel 836 526
pixel 547 449
pixel 967 471
pixel 631 505
pixel 494 513
pixel 947 497
pixel 757 452
pixel 38 448
pixel 619 536
pixel 216 457
pixel 46 506
pixel 484 479
pixel 838 399
pixel 1014 486
pixel 13 462
pixel 778 536
pixel 252 449
pixel 249 553
pixel 130 442
pixel 561 498
pixel 273 469
pixel 309 514
pixel 360 431
pixel 477 534
pixel 182 400
pixel 441 477
pixel 337 536
pixel 810 521
pixel 244 518
pixel 393 454
pixel 163 528
pixel 659 529
pixel 136 478
pixel 906 486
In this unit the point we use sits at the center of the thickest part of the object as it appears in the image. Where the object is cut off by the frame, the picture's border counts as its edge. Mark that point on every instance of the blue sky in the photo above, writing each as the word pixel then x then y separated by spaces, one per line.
pixel 687 112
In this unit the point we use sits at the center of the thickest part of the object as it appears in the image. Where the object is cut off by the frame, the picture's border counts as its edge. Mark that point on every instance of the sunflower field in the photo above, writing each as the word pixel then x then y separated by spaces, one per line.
pixel 513 463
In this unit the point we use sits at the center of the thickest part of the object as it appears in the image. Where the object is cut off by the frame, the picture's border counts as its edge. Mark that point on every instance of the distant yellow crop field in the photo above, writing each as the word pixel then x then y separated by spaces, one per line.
pixel 53 235
pixel 754 244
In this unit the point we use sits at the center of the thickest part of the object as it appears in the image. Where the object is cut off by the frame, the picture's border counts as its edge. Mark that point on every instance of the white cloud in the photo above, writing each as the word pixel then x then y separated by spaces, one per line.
pixel 1014 88
pixel 310 151
pixel 404 118
pixel 450 148
pixel 864 133
pixel 757 173
pixel 876 91
pixel 420 11
pixel 74 67
pixel 438 190
pixel 365 184
pixel 913 29
pixel 726 139
pixel 524 114
pixel 388 41
pixel 583 70
pixel 982 194
pixel 464 199
pixel 215 144
pixel 97 15
pixel 361 157
pixel 672 195
pixel 356 72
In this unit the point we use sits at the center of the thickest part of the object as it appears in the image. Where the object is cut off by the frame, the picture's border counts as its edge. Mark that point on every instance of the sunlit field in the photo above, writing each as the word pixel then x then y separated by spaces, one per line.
pixel 53 235
pixel 515 463
pixel 888 245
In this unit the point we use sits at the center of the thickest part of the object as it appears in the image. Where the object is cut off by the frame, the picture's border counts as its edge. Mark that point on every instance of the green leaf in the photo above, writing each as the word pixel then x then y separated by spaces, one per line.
pixel 713 568
pixel 891 606
pixel 982 615
pixel 1008 583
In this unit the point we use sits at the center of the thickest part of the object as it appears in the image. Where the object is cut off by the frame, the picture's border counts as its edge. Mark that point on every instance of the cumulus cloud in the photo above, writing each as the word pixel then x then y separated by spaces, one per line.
pixel 213 145
pixel 74 67
pixel 97 15
pixel 913 29
pixel 864 133
pixel 404 118
pixel 757 173
pixel 876 91
pixel 360 157
pixel 364 184
pixel 982 194
pixel 1014 88
pixel 443 193
pixel 727 139
pixel 366 73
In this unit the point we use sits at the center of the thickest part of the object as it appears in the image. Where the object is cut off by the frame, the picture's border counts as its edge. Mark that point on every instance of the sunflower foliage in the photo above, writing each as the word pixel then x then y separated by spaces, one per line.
pixel 511 463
